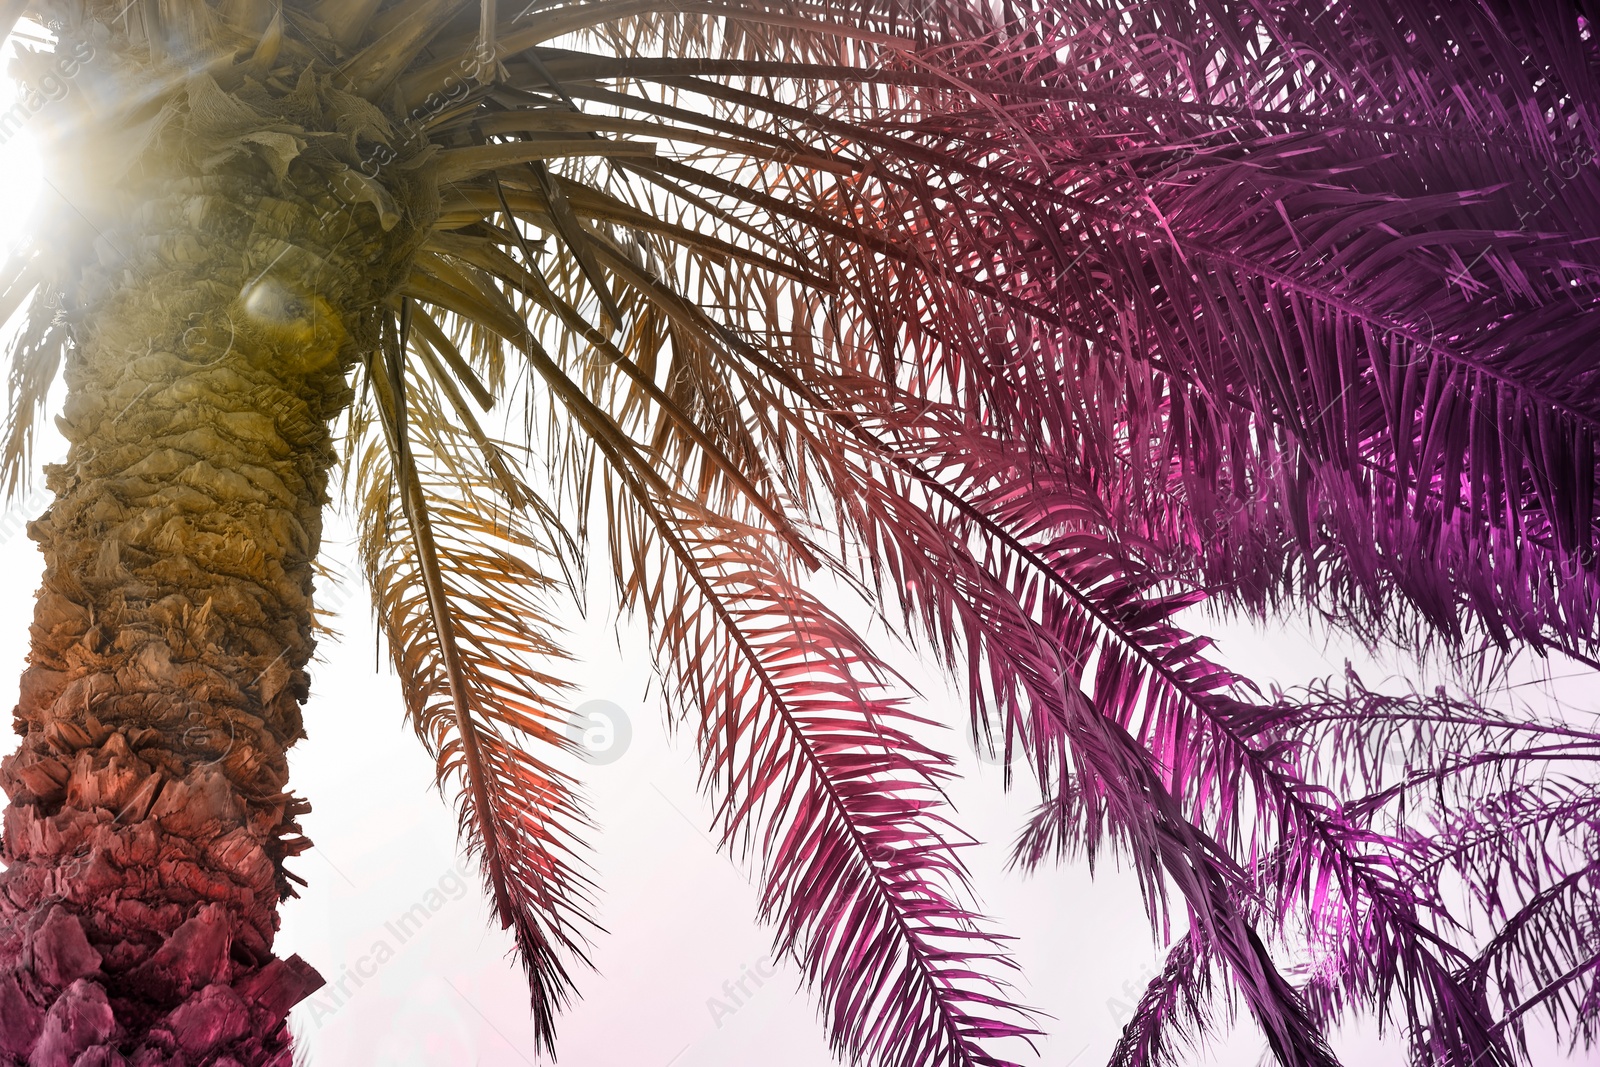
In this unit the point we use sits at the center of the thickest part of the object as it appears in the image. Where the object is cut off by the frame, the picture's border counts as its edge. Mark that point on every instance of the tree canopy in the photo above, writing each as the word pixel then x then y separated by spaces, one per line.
pixel 1032 323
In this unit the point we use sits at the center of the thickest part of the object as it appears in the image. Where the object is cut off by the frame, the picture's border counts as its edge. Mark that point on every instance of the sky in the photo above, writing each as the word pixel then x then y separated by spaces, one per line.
pixel 418 973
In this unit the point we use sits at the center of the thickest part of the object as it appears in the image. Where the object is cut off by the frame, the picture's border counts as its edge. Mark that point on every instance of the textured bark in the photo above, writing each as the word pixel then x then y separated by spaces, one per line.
pixel 150 815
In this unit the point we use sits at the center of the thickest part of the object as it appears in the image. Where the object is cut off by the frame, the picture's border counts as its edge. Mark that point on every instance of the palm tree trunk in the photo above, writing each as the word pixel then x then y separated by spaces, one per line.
pixel 149 815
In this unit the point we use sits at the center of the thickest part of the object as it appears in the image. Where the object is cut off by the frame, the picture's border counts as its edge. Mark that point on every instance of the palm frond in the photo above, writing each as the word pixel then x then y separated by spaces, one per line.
pixel 1545 956
pixel 35 362
pixel 816 770
pixel 1106 629
pixel 853 885
pixel 1175 1008
pixel 1355 330
pixel 465 615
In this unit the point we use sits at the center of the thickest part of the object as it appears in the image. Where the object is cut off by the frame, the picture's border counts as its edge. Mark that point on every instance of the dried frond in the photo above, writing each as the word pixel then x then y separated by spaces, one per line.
pixel 466 615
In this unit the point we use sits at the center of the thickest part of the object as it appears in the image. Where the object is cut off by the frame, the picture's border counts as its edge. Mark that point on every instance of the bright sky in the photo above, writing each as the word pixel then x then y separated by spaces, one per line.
pixel 19 163
pixel 684 977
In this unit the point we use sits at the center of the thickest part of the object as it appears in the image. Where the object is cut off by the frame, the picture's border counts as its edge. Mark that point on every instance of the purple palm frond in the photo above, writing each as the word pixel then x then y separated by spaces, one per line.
pixel 1174 1011
pixel 1546 954
pixel 1337 305
pixel 1391 754
pixel 1514 842
pixel 1110 632
pixel 1500 805
pixel 816 772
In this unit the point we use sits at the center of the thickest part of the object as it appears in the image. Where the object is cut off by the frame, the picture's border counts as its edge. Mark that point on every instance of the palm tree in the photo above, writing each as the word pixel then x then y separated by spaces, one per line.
pixel 1033 323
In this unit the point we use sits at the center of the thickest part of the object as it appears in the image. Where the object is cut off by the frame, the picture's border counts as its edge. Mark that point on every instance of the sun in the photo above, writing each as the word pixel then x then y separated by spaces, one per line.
pixel 20 172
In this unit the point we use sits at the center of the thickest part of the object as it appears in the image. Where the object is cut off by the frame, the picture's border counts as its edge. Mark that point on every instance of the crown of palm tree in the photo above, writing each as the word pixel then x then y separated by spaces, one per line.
pixel 1034 324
